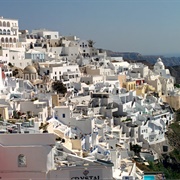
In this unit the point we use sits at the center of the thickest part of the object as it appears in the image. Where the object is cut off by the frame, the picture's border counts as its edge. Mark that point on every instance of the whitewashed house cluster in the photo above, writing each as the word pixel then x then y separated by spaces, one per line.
pixel 110 105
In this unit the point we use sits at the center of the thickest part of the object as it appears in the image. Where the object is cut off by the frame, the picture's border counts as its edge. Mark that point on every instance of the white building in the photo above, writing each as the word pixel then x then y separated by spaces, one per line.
pixel 160 78
pixel 119 67
pixel 140 68
pixel 35 56
pixel 34 156
pixel 4 57
pixel 46 33
pixel 8 32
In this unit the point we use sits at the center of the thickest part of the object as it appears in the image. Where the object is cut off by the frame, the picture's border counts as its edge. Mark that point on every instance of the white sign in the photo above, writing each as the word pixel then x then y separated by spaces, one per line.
pixel 86 174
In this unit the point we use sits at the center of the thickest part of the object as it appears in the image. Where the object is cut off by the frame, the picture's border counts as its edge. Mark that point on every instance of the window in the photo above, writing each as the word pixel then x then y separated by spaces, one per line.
pixel 21 160
pixel 4 24
pixel 8 24
pixel 63 115
pixel 8 32
pixel 4 32
pixel 2 40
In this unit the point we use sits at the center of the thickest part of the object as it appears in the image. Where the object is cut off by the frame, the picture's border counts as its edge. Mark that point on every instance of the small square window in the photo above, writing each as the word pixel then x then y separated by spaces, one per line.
pixel 63 115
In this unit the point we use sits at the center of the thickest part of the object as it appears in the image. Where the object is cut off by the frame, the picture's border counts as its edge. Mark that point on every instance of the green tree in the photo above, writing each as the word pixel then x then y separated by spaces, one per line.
pixel 177 115
pixel 136 148
pixel 177 85
pixel 10 64
pixel 59 87
pixel 91 43
pixel 15 72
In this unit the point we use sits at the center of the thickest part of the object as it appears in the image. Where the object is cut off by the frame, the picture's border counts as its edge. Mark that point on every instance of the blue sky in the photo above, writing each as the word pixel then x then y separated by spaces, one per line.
pixel 144 26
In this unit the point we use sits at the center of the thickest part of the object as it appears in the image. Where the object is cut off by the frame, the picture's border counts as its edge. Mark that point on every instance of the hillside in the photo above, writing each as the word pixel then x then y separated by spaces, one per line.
pixel 168 61
pixel 169 162
pixel 175 71
pixel 171 63
pixel 142 61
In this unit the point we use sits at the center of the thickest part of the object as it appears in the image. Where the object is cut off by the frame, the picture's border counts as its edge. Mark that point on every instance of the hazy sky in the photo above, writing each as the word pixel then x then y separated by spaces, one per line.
pixel 144 26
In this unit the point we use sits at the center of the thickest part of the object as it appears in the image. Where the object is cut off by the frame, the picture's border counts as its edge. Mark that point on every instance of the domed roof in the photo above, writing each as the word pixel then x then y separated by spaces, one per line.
pixel 30 70
pixel 159 63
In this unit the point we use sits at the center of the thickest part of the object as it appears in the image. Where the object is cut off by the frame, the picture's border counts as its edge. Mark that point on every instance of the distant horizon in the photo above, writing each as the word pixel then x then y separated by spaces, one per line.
pixel 143 26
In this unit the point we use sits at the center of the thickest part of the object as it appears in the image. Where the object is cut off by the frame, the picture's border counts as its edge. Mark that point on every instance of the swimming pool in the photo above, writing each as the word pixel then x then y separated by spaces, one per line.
pixel 149 177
